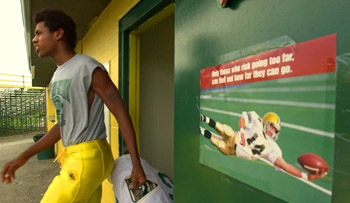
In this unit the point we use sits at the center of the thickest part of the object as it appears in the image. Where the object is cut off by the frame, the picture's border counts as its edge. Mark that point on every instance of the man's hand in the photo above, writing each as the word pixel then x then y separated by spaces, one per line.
pixel 9 169
pixel 138 176
pixel 318 175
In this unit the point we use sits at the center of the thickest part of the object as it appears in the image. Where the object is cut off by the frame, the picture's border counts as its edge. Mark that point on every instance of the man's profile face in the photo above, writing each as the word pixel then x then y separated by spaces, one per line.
pixel 271 131
pixel 44 40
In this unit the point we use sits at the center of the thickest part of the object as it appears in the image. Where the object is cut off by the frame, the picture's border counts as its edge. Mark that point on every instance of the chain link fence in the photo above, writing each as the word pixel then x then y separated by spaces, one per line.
pixel 22 111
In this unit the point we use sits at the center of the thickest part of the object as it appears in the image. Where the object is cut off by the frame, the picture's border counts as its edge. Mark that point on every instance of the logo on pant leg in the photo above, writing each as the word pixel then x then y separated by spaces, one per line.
pixel 73 176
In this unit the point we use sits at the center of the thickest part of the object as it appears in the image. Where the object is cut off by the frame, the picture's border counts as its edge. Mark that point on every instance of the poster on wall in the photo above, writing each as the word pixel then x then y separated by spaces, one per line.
pixel 268 120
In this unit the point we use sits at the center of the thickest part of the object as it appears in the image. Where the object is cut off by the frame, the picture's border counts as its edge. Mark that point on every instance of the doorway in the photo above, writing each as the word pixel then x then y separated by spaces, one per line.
pixel 151 93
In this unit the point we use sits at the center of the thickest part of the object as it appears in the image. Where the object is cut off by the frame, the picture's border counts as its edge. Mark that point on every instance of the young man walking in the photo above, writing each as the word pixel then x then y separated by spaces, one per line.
pixel 78 89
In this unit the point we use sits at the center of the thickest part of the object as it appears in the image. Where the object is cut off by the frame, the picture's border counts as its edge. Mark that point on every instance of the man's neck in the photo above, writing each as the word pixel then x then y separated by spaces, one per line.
pixel 63 56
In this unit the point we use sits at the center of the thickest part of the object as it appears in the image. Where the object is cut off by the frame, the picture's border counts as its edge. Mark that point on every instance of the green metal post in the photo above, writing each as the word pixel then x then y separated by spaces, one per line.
pixel 1 119
pixel 21 110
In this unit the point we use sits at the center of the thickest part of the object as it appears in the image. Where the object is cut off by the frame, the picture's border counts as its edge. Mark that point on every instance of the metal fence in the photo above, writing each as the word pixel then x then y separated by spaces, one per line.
pixel 22 111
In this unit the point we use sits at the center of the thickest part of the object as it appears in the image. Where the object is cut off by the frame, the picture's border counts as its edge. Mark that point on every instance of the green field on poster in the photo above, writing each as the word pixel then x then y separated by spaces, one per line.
pixel 306 106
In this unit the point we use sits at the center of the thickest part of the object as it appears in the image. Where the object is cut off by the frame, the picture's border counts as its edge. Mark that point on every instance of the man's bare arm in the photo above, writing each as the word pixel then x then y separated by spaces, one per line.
pixel 280 162
pixel 9 169
pixel 105 88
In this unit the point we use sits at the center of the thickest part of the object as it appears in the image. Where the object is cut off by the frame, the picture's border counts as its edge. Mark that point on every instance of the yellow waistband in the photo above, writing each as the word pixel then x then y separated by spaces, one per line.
pixel 62 155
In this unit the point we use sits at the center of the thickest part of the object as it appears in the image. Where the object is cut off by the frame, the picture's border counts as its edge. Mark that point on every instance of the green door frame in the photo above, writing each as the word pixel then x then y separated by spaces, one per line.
pixel 142 12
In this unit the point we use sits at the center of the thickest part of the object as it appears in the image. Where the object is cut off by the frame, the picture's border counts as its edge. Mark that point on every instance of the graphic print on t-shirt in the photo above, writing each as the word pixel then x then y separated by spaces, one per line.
pixel 59 92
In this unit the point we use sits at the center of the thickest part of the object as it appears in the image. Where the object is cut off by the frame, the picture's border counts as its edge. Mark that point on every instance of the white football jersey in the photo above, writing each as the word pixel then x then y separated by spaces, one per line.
pixel 163 193
pixel 257 143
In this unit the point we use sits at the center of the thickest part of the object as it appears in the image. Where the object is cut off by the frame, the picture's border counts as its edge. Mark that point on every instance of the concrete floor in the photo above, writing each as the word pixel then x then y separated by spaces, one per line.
pixel 32 179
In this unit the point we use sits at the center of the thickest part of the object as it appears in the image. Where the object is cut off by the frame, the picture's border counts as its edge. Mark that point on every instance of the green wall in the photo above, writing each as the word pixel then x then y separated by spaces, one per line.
pixel 204 32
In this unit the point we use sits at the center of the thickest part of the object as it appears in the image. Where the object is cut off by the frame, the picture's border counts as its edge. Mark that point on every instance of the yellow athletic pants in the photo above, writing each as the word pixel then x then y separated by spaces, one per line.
pixel 83 168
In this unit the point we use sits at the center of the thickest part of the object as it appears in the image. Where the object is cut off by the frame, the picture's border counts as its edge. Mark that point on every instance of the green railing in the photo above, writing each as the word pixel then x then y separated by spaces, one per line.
pixel 21 111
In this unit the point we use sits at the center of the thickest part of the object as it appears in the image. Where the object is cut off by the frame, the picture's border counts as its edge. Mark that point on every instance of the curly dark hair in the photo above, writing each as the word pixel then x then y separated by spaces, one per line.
pixel 55 19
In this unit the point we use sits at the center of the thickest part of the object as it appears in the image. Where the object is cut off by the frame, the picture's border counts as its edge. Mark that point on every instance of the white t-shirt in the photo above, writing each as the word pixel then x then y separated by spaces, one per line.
pixel 163 193
pixel 257 143
pixel 68 91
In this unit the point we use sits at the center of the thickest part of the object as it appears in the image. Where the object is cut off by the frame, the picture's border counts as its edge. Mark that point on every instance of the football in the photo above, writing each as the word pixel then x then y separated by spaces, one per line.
pixel 313 163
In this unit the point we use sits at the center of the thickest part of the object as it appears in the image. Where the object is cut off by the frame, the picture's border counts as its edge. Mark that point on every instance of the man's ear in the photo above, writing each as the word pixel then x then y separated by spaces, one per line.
pixel 59 34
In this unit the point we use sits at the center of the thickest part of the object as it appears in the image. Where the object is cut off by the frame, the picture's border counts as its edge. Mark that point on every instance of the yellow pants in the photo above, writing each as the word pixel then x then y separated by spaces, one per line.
pixel 228 140
pixel 83 168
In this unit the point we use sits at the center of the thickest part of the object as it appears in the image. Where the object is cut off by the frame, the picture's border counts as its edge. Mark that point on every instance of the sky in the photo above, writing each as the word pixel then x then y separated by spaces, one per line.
pixel 13 55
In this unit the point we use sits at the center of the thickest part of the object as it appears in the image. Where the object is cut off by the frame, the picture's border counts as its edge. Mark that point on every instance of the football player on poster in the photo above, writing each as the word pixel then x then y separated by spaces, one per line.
pixel 257 140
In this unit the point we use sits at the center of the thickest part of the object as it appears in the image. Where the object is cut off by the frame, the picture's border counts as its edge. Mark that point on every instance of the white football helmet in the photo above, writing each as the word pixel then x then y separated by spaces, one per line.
pixel 273 119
